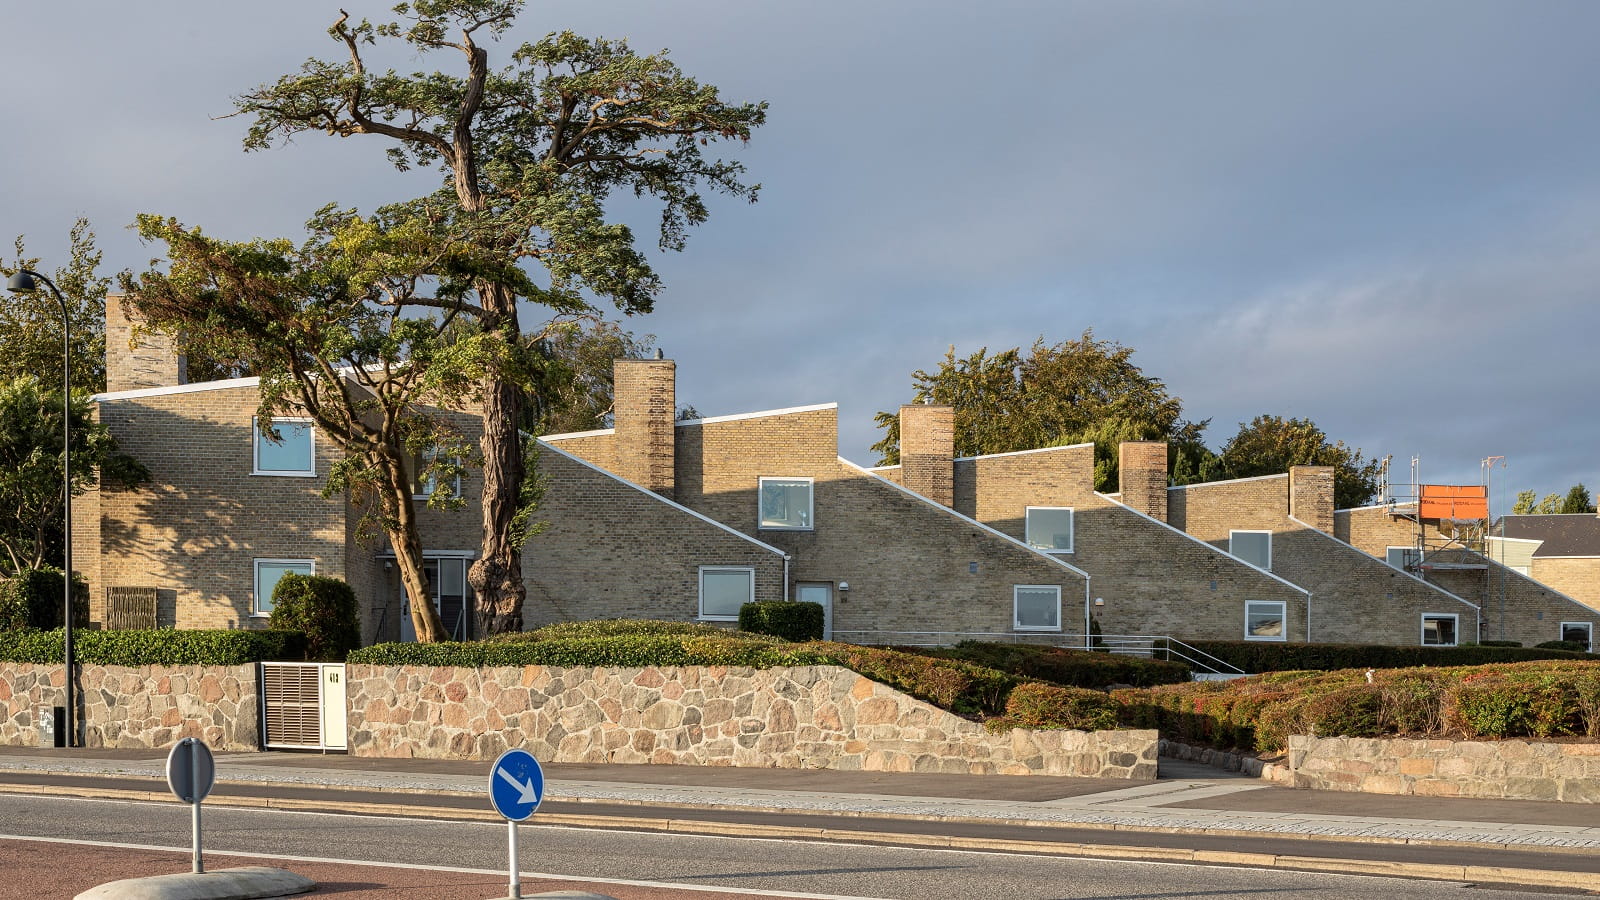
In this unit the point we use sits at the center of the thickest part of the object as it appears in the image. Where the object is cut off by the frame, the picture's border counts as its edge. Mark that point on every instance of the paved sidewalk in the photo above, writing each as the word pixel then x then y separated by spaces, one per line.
pixel 1189 798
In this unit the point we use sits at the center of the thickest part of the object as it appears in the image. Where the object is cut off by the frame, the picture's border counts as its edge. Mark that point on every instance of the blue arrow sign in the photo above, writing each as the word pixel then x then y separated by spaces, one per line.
pixel 516 784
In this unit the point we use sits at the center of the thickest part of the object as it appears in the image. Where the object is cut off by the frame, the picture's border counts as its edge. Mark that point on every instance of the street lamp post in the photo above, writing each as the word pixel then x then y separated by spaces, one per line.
pixel 26 280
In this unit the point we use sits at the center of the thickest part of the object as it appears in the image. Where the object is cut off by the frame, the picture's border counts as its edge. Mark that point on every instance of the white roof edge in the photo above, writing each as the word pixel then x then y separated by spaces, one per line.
pixel 1187 536
pixel 1496 537
pixel 1023 452
pixel 1395 505
pixel 712 420
pixel 967 519
pixel 135 393
pixel 578 434
pixel 1202 484
pixel 1313 528
pixel 657 497
pixel 883 468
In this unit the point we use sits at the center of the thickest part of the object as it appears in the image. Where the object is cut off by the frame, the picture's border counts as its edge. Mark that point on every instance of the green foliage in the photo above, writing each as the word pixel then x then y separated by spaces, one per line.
pixel 1052 706
pixel 33 599
pixel 1505 644
pixel 960 687
pixel 1566 646
pixel 1269 445
pixel 613 627
pixel 1073 392
pixel 1577 500
pixel 791 621
pixel 1262 656
pixel 30 324
pixel 1353 711
pixel 155 647
pixel 1078 668
pixel 660 649
pixel 323 608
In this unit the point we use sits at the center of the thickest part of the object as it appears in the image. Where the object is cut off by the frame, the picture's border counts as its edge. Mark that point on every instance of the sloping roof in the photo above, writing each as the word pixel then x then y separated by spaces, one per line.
pixel 1569 534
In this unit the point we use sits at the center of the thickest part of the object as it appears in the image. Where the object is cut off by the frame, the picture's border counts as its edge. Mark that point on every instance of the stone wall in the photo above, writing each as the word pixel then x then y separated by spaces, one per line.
pixel 804 717
pixel 1500 770
pixel 136 707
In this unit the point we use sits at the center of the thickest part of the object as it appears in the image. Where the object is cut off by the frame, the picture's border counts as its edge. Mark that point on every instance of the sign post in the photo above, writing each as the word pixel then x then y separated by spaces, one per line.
pixel 190 774
pixel 516 788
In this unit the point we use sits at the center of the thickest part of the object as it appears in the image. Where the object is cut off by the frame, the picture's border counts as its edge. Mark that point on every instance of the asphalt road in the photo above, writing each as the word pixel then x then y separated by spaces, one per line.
pixel 730 862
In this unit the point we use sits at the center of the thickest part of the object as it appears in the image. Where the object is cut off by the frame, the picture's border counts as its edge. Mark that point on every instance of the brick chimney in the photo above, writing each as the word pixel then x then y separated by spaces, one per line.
pixel 1311 496
pixel 1142 471
pixel 927 451
pixel 146 360
pixel 645 407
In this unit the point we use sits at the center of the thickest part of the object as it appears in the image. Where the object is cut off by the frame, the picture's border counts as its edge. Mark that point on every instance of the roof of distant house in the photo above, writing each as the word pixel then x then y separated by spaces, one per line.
pixel 1563 534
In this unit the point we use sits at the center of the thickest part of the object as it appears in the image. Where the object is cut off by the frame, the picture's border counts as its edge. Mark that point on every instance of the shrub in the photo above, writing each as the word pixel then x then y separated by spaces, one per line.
pixel 1036 705
pixel 791 621
pixel 1569 646
pixel 960 687
pixel 722 649
pixel 1077 668
pixel 154 647
pixel 612 628
pixel 32 599
pixel 1501 644
pixel 1353 711
pixel 1260 656
pixel 324 608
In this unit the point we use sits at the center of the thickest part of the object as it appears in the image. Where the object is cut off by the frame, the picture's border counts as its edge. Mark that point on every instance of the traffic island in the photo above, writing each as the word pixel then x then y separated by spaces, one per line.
pixel 244 883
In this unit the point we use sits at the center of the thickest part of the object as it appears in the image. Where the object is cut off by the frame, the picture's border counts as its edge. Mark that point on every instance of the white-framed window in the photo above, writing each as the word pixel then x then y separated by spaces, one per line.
pixel 292 451
pixel 268 573
pixel 785 504
pixel 1579 633
pixel 1049 528
pixel 424 483
pixel 1402 557
pixel 1254 547
pixel 1265 620
pixel 1036 607
pixel 723 589
pixel 1439 630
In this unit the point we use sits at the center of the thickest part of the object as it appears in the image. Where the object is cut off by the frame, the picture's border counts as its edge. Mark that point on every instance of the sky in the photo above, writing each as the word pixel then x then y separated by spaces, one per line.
pixel 1382 217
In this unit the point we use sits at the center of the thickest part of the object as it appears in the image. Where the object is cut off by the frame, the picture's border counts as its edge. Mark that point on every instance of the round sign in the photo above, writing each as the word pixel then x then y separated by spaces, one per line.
pixel 516 784
pixel 190 770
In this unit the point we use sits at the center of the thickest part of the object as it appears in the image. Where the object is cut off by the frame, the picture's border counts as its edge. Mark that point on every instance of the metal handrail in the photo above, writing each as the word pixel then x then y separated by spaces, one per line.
pixel 1170 647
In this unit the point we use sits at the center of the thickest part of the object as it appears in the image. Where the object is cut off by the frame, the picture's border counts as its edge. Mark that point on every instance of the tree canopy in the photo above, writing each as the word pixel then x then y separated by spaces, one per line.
pixel 529 152
pixel 1269 445
pixel 30 323
pixel 1577 500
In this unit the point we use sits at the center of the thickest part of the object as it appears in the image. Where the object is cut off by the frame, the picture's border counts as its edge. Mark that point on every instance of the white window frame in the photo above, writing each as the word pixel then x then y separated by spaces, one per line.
pixel 1231 533
pixel 257 436
pixel 422 461
pixel 1283 618
pixel 1422 636
pixel 1409 549
pixel 1072 528
pixel 1016 619
pixel 749 570
pixel 811 503
pixel 1587 626
pixel 255 581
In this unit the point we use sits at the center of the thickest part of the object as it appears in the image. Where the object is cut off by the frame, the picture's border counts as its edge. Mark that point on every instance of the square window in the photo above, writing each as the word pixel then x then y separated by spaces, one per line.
pixel 723 589
pixel 1264 620
pixel 1049 528
pixel 1036 607
pixel 1438 630
pixel 1254 547
pixel 268 573
pixel 1579 633
pixel 785 504
pixel 424 483
pixel 1402 557
pixel 288 452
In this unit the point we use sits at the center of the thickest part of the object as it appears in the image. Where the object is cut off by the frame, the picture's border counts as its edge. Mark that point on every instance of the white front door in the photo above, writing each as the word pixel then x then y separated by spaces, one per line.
pixel 820 593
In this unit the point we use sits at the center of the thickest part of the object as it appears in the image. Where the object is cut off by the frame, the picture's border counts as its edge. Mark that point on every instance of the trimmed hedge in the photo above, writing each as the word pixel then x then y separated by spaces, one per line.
pixel 157 647
pixel 32 599
pixel 1263 656
pixel 1036 705
pixel 1078 668
pixel 612 628
pixel 324 608
pixel 628 649
pixel 790 620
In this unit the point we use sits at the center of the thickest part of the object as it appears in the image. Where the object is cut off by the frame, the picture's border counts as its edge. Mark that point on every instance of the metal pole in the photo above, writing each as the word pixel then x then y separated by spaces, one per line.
pixel 514 889
pixel 194 823
pixel 66 510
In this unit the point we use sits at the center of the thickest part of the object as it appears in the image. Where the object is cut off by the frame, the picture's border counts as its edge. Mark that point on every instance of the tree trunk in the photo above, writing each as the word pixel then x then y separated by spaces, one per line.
pixel 408 556
pixel 496 577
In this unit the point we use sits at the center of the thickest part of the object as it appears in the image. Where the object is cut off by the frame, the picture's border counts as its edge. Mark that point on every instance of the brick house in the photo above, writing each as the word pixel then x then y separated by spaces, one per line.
pixel 1560 551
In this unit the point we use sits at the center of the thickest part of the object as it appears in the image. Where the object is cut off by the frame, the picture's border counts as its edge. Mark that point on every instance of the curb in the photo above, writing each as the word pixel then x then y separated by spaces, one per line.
pixel 1554 878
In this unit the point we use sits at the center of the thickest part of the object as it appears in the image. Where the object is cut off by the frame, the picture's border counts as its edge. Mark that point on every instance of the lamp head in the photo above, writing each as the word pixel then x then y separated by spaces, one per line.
pixel 22 281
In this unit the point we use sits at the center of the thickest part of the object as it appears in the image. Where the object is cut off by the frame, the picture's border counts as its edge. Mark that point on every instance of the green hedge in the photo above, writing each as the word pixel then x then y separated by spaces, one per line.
pixel 1036 705
pixel 722 649
pixel 614 627
pixel 323 608
pixel 1264 656
pixel 791 621
pixel 32 599
pixel 157 647
pixel 1078 668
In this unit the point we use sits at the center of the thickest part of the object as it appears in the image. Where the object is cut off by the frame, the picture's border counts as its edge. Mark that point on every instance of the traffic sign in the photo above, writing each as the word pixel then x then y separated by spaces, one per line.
pixel 190 770
pixel 516 784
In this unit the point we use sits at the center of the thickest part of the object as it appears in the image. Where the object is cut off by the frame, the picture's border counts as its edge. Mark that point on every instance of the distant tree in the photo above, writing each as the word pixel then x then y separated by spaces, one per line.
pixel 30 324
pixel 1269 445
pixel 1577 500
pixel 573 366
pixel 30 469
pixel 1077 391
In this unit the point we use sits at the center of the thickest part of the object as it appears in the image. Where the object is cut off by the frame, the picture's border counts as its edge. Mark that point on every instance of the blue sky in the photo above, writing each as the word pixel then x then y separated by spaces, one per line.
pixel 1379 216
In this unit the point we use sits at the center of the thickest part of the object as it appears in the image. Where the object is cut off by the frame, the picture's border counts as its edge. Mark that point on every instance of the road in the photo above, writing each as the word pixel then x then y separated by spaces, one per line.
pixel 726 863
